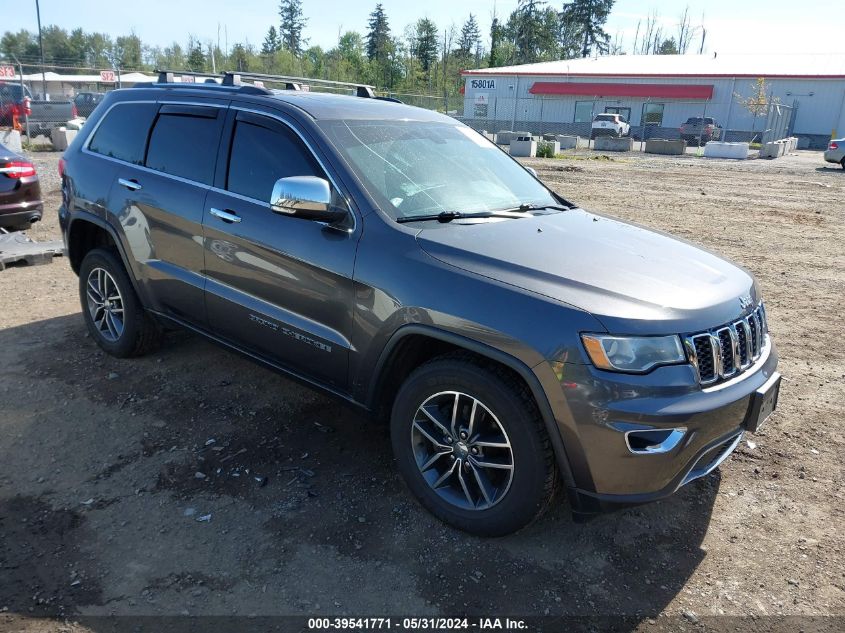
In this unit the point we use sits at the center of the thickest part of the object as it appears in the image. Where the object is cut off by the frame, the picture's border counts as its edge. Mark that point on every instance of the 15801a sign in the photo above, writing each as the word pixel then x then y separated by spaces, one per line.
pixel 482 84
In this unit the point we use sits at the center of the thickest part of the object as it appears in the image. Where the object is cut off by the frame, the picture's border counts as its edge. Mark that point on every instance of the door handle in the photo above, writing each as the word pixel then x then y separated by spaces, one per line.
pixel 132 185
pixel 225 215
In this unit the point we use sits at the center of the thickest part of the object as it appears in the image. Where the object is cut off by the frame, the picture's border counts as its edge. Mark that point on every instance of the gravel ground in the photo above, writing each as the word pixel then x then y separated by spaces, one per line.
pixel 194 482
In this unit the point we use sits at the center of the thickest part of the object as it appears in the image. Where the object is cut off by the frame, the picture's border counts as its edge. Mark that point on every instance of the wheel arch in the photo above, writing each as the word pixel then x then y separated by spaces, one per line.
pixel 86 232
pixel 395 363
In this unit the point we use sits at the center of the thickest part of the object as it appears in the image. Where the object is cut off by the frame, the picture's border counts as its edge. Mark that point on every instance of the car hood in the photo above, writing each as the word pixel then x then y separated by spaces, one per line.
pixel 632 279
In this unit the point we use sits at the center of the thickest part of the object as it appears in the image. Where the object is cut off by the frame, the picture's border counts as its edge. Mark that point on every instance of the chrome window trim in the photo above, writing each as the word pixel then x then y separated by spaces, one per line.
pixel 262 203
pixel 144 168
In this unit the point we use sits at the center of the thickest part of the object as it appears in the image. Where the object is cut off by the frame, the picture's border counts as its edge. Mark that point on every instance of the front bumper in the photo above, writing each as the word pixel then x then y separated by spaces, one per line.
pixel 598 409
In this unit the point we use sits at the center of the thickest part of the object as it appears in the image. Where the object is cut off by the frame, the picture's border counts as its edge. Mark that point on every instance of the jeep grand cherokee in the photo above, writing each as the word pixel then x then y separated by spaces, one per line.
pixel 395 258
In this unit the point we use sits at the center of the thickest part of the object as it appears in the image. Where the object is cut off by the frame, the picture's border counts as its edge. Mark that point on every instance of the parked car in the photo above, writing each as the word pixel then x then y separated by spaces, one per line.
pixel 835 152
pixel 44 116
pixel 703 129
pixel 611 124
pixel 395 258
pixel 20 191
pixel 85 102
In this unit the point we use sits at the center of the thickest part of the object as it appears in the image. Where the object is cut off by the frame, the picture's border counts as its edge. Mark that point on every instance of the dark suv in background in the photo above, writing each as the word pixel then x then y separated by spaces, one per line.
pixel 395 258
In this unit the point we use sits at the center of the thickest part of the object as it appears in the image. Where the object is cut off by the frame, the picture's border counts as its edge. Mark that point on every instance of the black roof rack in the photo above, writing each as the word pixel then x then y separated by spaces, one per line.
pixel 167 79
pixel 297 83
pixel 232 80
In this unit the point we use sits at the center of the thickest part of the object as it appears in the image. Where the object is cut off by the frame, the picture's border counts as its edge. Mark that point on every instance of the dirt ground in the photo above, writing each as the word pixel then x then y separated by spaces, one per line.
pixel 193 482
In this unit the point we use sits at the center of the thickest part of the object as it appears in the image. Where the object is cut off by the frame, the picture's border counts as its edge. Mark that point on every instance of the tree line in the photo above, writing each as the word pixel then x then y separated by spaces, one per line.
pixel 423 57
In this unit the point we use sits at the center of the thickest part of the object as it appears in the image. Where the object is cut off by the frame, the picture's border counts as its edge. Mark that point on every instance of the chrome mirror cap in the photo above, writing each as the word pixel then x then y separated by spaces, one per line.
pixel 307 197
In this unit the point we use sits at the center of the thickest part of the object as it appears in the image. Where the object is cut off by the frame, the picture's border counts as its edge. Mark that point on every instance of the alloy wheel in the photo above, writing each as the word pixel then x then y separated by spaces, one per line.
pixel 462 450
pixel 105 304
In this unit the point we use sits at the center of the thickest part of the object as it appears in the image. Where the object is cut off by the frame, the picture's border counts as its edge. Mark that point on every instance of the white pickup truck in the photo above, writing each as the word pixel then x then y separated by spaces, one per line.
pixel 608 123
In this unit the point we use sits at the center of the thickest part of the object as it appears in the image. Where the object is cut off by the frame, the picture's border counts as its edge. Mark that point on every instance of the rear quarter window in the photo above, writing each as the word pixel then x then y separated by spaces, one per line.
pixel 123 132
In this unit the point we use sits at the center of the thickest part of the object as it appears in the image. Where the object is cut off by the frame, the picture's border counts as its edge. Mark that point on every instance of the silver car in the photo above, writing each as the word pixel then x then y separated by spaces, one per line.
pixel 836 152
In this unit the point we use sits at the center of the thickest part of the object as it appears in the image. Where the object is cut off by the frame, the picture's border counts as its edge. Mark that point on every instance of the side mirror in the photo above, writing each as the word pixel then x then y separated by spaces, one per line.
pixel 306 197
pixel 531 171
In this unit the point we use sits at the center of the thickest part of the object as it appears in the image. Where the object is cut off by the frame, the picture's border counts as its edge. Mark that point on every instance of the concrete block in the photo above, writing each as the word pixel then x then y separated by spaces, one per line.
pixel 720 149
pixel 503 137
pixel 613 144
pixel 572 142
pixel 523 146
pixel 665 146
pixel 62 137
pixel 11 139
pixel 775 149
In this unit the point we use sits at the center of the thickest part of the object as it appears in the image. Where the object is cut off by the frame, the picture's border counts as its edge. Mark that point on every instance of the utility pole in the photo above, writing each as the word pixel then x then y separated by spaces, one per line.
pixel 41 47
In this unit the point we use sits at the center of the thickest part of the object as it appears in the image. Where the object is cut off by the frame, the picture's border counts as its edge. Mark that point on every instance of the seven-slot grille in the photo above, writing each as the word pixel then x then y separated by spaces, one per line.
pixel 730 349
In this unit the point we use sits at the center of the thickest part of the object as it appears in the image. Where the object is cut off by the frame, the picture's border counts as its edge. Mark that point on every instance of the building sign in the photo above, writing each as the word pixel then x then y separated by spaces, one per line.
pixel 481 101
pixel 482 84
pixel 7 72
pixel 107 76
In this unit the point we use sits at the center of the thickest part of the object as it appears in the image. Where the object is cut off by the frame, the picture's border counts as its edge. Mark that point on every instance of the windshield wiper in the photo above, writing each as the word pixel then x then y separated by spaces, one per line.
pixel 525 208
pixel 448 216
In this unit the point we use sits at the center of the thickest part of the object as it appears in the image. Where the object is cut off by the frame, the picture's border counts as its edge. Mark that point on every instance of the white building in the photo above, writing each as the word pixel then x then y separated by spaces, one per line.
pixel 657 93
pixel 61 87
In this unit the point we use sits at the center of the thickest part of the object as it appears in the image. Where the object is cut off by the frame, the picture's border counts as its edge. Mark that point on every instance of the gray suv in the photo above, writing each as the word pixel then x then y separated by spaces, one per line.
pixel 515 343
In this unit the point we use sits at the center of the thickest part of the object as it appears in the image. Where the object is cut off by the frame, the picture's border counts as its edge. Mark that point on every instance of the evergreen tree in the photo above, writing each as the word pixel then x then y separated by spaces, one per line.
pixel 424 45
pixel 239 58
pixel 378 36
pixel 495 43
pixel 196 58
pixel 469 38
pixel 668 47
pixel 290 29
pixel 588 18
pixel 533 29
pixel 271 42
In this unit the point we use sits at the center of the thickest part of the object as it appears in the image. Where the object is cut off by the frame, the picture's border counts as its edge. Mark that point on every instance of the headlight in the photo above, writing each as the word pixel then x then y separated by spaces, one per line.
pixel 633 354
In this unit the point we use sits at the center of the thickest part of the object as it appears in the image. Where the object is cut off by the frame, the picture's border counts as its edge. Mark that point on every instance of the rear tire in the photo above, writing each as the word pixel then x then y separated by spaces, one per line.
pixel 490 476
pixel 842 162
pixel 114 316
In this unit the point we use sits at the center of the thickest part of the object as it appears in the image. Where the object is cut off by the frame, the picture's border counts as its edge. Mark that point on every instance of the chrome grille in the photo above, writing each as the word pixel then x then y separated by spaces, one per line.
pixel 728 350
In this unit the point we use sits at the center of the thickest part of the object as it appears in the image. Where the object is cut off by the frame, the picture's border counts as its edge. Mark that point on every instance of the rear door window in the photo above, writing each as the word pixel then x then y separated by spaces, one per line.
pixel 184 142
pixel 264 150
pixel 123 132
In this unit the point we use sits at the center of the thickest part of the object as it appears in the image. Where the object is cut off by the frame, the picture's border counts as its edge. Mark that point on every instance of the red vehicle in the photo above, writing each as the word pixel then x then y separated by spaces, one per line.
pixel 15 102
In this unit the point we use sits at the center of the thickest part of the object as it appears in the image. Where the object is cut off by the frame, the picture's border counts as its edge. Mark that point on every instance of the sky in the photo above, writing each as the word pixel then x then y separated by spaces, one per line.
pixel 732 26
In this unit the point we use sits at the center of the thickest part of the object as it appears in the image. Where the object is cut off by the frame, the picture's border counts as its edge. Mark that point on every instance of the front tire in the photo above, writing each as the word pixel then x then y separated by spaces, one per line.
pixel 471 445
pixel 114 316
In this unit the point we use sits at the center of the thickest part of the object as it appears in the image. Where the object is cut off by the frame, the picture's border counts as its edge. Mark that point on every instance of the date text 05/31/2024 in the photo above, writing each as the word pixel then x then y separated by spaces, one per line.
pixel 408 624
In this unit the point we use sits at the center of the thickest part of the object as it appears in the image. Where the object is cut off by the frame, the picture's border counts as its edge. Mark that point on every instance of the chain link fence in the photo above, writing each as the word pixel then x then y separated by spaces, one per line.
pixel 695 121
pixel 40 104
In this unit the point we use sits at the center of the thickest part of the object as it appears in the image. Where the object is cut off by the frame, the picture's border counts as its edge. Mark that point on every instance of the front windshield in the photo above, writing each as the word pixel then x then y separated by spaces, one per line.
pixel 415 168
